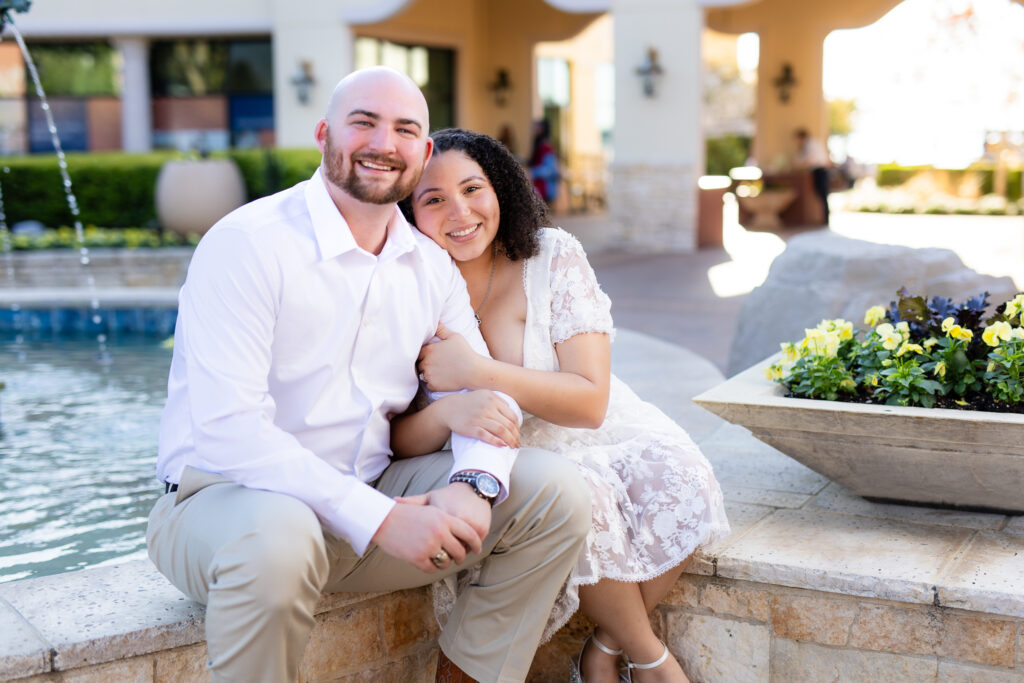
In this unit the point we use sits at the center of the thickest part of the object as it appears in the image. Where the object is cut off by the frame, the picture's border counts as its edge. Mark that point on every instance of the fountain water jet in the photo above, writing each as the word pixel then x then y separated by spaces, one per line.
pixel 6 6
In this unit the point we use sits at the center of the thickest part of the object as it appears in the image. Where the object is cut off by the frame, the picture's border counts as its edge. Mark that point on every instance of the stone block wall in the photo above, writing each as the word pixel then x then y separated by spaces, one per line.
pixel 654 207
pixel 164 267
pixel 738 632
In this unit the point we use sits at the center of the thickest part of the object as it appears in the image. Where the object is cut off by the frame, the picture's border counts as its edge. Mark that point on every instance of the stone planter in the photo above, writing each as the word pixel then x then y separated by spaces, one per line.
pixel 193 194
pixel 765 208
pixel 965 459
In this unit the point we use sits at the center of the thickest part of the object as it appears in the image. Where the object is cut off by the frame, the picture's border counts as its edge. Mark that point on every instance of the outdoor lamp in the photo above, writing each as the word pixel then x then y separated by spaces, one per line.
pixel 785 81
pixel 501 87
pixel 303 81
pixel 650 71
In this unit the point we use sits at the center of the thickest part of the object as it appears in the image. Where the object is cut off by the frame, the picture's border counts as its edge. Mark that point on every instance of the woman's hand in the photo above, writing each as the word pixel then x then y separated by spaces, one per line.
pixel 450 364
pixel 481 415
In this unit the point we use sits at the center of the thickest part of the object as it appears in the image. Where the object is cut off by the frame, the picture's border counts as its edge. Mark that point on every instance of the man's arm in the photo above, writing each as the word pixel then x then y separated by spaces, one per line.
pixel 227 315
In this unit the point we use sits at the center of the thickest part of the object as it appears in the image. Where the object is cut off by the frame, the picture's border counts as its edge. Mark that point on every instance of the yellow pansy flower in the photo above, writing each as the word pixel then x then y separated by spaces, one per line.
pixel 948 323
pixel 957 332
pixel 930 342
pixel 940 369
pixel 874 315
pixel 1017 333
pixel 904 329
pixel 996 332
pixel 1014 306
pixel 774 373
pixel 848 385
pixel 790 354
pixel 907 347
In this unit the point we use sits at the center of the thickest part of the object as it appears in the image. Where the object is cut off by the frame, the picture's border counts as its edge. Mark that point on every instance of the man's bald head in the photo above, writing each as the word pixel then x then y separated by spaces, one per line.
pixel 374 83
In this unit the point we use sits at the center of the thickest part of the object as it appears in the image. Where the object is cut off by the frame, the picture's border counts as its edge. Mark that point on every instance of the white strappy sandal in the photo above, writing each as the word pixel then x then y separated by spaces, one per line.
pixel 653 665
pixel 575 676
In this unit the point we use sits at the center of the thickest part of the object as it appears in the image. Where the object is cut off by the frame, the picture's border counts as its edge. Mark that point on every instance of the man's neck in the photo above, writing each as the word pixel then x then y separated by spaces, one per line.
pixel 368 222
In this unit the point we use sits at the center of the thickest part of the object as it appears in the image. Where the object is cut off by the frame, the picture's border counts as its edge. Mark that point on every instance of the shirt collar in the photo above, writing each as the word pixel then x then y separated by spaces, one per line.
pixel 333 236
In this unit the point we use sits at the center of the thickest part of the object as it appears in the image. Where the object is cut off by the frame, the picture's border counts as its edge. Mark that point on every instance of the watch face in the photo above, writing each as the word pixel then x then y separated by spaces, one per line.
pixel 487 485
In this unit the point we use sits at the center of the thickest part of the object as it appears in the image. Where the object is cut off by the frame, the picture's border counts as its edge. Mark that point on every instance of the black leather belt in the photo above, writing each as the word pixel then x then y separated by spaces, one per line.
pixel 169 487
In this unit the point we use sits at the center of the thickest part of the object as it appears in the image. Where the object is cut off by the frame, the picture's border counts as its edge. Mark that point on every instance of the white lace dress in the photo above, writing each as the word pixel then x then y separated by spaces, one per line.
pixel 654 496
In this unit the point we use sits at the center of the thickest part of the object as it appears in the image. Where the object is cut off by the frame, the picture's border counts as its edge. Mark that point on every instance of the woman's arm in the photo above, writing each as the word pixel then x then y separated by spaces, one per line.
pixel 574 396
pixel 477 414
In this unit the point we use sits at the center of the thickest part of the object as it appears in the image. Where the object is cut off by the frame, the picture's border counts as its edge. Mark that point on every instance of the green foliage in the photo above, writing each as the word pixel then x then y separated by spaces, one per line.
pixel 126 238
pixel 840 116
pixel 726 152
pixel 905 383
pixel 821 377
pixel 892 175
pixel 117 189
pixel 75 69
pixel 1005 373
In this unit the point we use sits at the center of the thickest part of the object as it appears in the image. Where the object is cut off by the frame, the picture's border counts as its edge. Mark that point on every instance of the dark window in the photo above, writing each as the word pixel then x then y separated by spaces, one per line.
pixel 74 69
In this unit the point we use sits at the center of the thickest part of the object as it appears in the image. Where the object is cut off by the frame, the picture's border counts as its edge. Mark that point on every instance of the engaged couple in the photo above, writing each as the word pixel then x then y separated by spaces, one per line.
pixel 334 339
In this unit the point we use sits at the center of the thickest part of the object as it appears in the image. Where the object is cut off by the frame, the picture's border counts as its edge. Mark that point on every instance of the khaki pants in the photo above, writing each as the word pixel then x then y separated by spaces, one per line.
pixel 260 560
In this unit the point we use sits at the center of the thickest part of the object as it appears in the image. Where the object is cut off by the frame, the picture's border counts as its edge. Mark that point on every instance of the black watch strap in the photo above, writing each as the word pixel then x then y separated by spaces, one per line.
pixel 471 479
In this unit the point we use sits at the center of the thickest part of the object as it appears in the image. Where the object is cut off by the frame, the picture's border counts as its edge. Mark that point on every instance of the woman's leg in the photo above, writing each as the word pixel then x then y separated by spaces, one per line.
pixel 655 590
pixel 621 616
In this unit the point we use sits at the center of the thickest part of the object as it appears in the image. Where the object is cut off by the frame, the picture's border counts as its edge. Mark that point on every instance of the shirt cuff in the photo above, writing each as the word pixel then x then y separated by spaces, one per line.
pixel 360 515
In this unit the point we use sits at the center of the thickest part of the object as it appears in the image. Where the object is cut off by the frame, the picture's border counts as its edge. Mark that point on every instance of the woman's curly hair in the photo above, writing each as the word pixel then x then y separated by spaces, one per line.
pixel 522 210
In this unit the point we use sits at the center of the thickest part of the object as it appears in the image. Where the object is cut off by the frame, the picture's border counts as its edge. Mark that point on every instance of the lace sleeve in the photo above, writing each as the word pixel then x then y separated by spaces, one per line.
pixel 578 305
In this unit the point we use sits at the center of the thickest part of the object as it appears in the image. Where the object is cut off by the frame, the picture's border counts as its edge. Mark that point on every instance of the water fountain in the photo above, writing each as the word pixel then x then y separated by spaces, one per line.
pixel 76 446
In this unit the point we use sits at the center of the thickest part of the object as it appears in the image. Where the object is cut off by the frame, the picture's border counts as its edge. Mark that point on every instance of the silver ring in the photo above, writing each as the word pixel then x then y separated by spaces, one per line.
pixel 441 558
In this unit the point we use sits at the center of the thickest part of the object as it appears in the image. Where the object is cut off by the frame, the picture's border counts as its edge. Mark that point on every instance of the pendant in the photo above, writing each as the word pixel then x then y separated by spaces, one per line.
pixel 477 317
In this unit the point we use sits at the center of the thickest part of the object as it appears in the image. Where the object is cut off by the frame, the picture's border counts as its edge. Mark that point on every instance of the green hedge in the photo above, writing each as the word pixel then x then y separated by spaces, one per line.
pixel 117 189
pixel 891 175
pixel 724 153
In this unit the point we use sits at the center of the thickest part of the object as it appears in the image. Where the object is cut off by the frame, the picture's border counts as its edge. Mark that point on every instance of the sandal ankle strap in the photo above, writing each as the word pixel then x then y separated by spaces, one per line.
pixel 652 665
pixel 604 648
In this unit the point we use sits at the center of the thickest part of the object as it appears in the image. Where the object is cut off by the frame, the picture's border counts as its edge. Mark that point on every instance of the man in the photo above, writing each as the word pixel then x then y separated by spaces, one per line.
pixel 811 155
pixel 299 326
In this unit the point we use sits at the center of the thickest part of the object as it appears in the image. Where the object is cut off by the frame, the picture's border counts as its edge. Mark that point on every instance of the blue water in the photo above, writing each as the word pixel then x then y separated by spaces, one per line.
pixel 77 452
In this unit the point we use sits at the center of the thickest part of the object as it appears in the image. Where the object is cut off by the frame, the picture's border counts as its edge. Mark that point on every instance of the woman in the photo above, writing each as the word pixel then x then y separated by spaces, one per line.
pixel 548 327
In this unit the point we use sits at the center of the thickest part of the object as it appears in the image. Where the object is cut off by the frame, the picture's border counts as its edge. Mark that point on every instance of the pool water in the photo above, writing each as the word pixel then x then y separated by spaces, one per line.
pixel 77 452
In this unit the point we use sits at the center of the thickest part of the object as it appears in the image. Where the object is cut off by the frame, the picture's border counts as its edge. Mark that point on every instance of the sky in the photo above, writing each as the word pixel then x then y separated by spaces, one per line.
pixel 927 89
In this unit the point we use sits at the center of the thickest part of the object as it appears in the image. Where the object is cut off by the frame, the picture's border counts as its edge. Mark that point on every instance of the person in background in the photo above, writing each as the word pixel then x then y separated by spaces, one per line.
pixel 811 155
pixel 544 167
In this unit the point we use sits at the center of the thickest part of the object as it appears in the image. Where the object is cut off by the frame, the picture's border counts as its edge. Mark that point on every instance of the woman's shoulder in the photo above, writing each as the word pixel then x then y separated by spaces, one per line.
pixel 554 239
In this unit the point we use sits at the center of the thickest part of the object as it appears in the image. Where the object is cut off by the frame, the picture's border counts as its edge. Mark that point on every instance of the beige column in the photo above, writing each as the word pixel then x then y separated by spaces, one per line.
pixel 136 96
pixel 657 140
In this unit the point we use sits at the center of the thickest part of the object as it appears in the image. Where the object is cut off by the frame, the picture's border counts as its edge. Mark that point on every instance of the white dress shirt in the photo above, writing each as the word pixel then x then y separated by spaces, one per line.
pixel 294 346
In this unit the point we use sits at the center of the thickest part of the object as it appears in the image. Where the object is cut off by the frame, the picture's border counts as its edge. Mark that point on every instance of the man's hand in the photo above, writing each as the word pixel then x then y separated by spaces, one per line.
pixel 416 530
pixel 481 415
pixel 450 364
pixel 460 500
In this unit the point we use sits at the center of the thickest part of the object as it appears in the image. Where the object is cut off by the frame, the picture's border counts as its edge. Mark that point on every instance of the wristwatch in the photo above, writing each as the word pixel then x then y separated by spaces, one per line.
pixel 484 485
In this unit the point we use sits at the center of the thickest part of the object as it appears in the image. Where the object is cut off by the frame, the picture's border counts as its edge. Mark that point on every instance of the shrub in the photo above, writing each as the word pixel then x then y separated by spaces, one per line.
pixel 725 152
pixel 117 189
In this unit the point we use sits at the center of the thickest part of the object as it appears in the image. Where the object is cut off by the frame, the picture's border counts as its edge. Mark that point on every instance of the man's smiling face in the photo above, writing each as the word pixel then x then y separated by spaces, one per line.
pixel 375 144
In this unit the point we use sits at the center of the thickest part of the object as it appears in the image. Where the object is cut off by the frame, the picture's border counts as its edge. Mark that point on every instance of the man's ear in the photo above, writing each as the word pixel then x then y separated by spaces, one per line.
pixel 320 132
pixel 429 152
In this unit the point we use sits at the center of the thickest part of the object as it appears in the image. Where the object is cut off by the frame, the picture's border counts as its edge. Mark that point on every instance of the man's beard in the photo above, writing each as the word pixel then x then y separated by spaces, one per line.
pixel 370 193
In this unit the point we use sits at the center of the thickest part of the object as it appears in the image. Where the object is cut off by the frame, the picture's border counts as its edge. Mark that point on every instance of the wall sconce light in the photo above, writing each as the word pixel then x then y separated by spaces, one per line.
pixel 650 71
pixel 304 81
pixel 501 87
pixel 785 82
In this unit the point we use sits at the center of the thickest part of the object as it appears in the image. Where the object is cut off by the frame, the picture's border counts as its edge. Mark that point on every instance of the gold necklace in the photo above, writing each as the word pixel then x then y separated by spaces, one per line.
pixel 490 281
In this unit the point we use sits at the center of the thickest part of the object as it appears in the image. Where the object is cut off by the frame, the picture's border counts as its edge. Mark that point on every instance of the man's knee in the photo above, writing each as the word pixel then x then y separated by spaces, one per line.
pixel 559 481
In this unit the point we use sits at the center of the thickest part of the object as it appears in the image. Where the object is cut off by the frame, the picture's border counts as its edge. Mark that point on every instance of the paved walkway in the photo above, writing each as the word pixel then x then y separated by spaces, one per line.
pixel 694 299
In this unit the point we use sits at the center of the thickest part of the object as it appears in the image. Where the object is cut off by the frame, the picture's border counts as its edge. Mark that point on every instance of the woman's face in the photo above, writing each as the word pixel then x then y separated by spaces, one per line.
pixel 455 205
